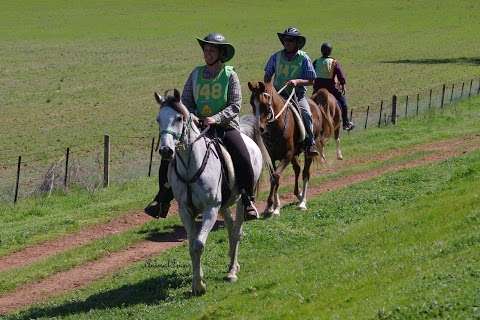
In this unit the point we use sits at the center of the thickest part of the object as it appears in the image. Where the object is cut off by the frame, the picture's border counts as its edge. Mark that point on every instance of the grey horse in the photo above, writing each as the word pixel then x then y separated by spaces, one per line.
pixel 195 176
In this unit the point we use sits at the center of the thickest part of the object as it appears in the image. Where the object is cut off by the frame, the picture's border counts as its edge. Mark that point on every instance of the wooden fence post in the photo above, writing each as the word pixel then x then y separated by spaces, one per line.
pixel 463 85
pixel 443 97
pixel 470 91
pixel 380 114
pixel 430 99
pixel 418 100
pixel 406 107
pixel 18 179
pixel 451 93
pixel 366 116
pixel 478 89
pixel 394 109
pixel 151 157
pixel 106 160
pixel 67 155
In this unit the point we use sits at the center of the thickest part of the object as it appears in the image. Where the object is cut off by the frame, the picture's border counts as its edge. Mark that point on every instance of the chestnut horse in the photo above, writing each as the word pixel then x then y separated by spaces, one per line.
pixel 284 138
pixel 326 101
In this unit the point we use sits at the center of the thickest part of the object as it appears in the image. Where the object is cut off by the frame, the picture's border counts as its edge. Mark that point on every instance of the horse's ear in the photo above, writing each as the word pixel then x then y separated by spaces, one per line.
pixel 250 86
pixel 261 86
pixel 158 98
pixel 176 94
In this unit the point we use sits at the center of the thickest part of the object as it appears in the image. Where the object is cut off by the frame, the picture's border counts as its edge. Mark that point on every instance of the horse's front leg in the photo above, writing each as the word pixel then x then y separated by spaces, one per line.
pixel 337 140
pixel 234 235
pixel 209 217
pixel 276 204
pixel 296 169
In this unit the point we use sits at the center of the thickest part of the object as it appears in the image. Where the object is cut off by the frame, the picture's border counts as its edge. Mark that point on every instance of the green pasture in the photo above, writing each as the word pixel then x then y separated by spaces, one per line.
pixel 72 71
pixel 38 219
pixel 402 246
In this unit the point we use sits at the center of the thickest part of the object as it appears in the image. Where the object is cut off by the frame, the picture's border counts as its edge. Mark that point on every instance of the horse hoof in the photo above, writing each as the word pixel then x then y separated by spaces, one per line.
pixel 199 290
pixel 231 278
pixel 276 212
pixel 302 206
pixel 339 157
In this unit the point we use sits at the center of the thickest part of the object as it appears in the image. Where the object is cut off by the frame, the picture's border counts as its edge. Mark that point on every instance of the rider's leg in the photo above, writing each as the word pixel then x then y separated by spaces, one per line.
pixel 243 170
pixel 158 208
pixel 307 120
pixel 342 102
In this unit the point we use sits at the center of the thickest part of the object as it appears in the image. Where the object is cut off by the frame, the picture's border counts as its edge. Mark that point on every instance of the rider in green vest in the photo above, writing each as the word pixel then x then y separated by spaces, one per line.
pixel 328 69
pixel 292 66
pixel 212 92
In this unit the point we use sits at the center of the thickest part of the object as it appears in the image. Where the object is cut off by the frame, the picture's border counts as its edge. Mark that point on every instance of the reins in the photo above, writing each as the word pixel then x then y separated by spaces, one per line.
pixel 276 116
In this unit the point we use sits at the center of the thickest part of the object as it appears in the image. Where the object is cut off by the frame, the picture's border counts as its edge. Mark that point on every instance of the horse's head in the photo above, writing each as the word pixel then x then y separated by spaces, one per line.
pixel 261 102
pixel 172 119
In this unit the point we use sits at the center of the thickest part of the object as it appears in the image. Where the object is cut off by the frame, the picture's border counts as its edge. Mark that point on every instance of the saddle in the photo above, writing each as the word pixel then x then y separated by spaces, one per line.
pixel 298 120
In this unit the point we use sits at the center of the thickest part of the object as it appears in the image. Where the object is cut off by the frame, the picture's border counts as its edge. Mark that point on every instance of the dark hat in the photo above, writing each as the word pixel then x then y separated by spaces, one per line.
pixel 294 33
pixel 227 51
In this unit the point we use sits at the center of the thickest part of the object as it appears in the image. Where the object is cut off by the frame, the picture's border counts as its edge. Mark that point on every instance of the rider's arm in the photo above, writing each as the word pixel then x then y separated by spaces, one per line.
pixel 270 68
pixel 234 101
pixel 337 71
pixel 307 75
pixel 187 94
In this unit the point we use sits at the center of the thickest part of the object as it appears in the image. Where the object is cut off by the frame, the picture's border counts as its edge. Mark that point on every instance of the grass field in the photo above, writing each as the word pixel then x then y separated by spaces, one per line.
pixel 71 72
pixel 403 246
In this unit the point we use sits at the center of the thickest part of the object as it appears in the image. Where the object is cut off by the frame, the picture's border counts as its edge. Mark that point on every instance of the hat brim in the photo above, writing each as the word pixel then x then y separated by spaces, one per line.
pixel 301 40
pixel 229 49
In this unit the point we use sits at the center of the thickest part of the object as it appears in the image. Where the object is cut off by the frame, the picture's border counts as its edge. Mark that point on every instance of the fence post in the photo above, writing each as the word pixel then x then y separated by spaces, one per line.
pixel 151 157
pixel 478 89
pixel 463 85
pixel 67 155
pixel 394 109
pixel 451 93
pixel 406 107
pixel 470 91
pixel 18 179
pixel 418 100
pixel 430 99
pixel 380 114
pixel 443 96
pixel 106 160
pixel 366 116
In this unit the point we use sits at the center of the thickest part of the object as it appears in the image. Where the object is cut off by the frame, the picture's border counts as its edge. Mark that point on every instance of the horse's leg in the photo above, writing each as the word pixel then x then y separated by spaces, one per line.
pixel 233 240
pixel 209 217
pixel 337 140
pixel 306 178
pixel 273 181
pixel 276 204
pixel 296 169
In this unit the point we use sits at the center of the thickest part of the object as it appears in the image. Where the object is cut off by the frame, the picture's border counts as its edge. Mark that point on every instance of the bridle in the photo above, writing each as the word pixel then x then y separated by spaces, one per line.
pixel 271 113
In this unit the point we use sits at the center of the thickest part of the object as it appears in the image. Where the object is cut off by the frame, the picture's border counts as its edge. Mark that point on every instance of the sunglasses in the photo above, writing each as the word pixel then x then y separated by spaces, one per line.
pixel 289 39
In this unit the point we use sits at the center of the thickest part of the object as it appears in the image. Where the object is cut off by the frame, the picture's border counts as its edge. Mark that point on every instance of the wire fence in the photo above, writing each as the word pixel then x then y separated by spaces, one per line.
pixel 122 158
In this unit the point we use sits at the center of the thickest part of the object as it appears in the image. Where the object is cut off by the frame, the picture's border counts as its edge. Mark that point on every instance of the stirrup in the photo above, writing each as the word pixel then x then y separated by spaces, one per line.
pixel 157 209
pixel 251 212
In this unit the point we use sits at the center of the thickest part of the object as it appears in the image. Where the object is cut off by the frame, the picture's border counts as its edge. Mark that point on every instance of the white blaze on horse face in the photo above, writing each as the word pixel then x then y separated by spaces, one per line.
pixel 170 122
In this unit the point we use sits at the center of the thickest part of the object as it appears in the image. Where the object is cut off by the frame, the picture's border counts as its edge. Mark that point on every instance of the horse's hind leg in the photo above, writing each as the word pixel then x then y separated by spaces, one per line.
pixel 234 235
pixel 296 169
pixel 276 204
pixel 337 140
pixel 306 178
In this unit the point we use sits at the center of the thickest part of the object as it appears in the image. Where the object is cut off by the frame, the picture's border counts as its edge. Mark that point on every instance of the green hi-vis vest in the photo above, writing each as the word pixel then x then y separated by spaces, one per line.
pixel 210 94
pixel 287 70
pixel 324 67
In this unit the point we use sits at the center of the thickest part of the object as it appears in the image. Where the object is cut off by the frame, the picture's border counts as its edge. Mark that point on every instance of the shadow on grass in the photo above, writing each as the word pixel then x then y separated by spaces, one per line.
pixel 459 60
pixel 149 292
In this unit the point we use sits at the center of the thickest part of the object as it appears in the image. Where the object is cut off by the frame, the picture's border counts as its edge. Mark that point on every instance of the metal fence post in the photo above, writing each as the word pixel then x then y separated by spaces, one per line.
pixel 394 109
pixel 18 179
pixel 106 160
pixel 151 157
pixel 366 117
pixel 67 155
pixel 443 96
pixel 470 91
pixel 380 114
pixel 418 100
pixel 406 107
pixel 451 93
pixel 430 99
pixel 463 85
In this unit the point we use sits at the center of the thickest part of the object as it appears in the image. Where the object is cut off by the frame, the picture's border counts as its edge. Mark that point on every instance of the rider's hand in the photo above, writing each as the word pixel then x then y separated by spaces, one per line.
pixel 343 89
pixel 208 121
pixel 293 82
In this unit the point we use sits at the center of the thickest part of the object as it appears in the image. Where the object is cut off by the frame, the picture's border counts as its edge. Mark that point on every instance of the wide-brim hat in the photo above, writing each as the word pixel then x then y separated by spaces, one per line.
pixel 294 33
pixel 227 51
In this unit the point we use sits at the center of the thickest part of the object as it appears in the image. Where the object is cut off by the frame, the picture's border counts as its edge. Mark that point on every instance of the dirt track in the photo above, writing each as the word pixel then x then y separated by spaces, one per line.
pixel 83 275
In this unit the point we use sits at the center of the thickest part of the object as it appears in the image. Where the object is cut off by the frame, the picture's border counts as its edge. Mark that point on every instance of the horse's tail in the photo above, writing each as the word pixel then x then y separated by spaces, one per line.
pixel 249 126
pixel 321 98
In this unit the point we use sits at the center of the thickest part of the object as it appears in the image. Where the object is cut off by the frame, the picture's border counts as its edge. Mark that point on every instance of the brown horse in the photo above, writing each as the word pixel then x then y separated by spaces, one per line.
pixel 326 101
pixel 284 138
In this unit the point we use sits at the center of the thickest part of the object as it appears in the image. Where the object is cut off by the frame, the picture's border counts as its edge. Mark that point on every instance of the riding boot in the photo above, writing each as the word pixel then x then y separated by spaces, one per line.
pixel 310 148
pixel 250 211
pixel 160 205
pixel 347 125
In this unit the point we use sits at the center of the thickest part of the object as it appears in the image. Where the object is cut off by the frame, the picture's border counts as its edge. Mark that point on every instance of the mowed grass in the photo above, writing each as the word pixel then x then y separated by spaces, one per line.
pixel 71 72
pixel 402 246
